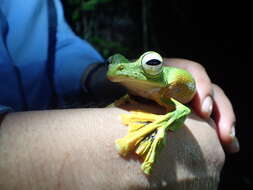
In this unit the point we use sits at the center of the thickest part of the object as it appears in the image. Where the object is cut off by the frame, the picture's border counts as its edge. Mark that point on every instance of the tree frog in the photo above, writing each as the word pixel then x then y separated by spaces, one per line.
pixel 169 87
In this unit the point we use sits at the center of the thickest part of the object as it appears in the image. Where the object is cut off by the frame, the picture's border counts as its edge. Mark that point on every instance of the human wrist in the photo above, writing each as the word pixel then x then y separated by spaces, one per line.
pixel 96 84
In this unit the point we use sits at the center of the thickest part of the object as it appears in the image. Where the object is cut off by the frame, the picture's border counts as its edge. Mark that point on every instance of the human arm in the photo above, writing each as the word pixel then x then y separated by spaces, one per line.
pixel 74 149
pixel 209 99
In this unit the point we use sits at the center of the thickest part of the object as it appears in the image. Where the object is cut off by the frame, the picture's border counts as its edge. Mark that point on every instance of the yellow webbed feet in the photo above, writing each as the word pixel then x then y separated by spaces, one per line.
pixel 142 128
pixel 139 124
pixel 137 119
pixel 144 147
pixel 147 131
pixel 157 141
pixel 138 116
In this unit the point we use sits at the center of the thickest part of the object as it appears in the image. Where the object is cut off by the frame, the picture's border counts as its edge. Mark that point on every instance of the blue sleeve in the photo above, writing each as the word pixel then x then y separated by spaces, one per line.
pixel 4 57
pixel 73 55
pixel 5 109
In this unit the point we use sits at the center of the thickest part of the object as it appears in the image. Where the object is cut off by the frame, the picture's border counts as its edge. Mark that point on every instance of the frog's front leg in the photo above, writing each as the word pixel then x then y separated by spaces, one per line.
pixel 180 113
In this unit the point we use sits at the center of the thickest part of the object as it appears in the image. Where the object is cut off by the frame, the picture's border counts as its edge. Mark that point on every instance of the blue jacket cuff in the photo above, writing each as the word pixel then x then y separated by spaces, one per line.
pixel 5 109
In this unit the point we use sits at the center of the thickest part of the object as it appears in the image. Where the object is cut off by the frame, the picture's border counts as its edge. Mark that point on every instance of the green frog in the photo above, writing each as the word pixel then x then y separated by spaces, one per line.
pixel 170 87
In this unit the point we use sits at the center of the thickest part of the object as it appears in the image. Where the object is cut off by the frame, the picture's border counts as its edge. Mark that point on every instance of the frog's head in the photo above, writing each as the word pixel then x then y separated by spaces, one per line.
pixel 148 67
pixel 147 76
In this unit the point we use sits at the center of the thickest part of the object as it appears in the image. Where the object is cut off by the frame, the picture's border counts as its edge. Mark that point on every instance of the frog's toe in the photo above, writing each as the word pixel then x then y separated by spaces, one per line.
pixel 153 150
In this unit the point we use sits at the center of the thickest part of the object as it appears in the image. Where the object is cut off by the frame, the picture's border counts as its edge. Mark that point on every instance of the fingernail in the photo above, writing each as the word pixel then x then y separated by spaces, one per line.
pixel 232 131
pixel 234 146
pixel 207 106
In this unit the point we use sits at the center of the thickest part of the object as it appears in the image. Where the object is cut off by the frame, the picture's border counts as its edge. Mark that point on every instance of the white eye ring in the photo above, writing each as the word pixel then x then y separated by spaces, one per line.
pixel 152 63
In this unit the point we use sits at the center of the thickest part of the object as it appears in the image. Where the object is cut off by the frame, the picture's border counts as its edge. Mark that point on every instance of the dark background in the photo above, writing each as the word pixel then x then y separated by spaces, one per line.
pixel 215 34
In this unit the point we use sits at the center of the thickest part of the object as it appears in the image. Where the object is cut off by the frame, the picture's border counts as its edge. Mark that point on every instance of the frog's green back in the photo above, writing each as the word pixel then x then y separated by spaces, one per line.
pixel 117 58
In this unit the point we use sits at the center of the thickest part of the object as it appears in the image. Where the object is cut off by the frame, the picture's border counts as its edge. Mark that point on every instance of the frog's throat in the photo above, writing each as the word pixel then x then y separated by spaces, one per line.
pixel 142 88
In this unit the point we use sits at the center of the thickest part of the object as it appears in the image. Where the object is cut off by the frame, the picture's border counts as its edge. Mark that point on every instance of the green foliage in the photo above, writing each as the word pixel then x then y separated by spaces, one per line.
pixel 83 5
pixel 85 18
pixel 107 47
pixel 91 4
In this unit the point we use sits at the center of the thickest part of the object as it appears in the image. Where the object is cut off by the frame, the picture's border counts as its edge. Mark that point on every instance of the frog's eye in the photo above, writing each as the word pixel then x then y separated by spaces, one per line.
pixel 152 63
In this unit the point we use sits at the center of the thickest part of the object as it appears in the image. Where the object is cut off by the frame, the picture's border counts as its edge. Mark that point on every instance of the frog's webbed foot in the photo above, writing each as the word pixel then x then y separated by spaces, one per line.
pixel 149 147
pixel 146 134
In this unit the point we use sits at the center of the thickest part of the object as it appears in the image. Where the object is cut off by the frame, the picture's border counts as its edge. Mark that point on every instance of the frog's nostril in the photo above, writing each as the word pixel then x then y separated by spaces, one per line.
pixel 120 67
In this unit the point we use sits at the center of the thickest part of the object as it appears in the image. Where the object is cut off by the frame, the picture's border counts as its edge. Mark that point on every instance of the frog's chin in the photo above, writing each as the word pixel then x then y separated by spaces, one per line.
pixel 120 79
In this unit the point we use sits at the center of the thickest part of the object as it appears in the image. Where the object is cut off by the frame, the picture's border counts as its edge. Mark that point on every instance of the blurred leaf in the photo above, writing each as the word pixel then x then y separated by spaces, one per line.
pixel 73 2
pixel 76 15
pixel 91 4
pixel 88 6
pixel 107 47
pixel 83 18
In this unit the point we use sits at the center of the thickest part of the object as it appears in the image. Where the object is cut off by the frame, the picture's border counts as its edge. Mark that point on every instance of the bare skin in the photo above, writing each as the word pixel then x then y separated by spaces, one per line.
pixel 74 149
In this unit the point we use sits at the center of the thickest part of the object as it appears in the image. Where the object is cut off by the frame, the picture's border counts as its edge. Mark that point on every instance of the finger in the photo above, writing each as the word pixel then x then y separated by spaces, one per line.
pixel 202 101
pixel 225 119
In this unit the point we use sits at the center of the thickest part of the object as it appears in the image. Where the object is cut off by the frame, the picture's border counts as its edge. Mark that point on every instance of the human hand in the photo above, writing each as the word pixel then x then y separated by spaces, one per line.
pixel 209 99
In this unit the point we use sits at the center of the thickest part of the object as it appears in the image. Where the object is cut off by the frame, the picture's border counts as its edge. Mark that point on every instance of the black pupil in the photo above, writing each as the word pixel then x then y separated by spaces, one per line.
pixel 153 62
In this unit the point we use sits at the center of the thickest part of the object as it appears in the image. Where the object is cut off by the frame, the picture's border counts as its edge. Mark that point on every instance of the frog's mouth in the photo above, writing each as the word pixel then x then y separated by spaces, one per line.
pixel 120 79
pixel 138 87
pixel 130 81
